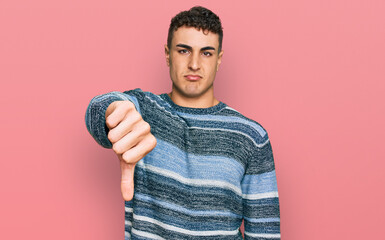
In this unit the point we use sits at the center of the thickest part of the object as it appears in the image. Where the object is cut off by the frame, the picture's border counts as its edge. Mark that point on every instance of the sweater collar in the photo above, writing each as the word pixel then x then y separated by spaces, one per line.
pixel 178 108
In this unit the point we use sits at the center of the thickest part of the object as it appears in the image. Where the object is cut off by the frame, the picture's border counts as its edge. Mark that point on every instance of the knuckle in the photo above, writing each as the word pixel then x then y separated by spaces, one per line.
pixel 117 105
pixel 110 137
pixel 152 140
pixel 130 104
pixel 123 106
pixel 127 158
pixel 152 143
pixel 117 148
pixel 124 157
pixel 109 122
pixel 146 126
pixel 127 105
pixel 135 118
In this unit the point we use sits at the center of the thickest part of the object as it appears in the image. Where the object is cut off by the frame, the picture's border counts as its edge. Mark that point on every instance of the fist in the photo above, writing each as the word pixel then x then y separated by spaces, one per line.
pixel 131 140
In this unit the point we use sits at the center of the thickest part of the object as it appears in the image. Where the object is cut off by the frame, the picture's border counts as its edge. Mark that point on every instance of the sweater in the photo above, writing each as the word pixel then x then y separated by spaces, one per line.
pixel 211 169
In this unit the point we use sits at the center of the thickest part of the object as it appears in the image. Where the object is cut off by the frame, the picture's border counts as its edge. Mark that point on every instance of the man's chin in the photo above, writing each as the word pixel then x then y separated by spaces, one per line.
pixel 192 94
pixel 191 91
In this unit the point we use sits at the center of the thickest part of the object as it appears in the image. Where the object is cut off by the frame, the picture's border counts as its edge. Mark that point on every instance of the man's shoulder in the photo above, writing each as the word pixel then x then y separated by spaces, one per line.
pixel 245 124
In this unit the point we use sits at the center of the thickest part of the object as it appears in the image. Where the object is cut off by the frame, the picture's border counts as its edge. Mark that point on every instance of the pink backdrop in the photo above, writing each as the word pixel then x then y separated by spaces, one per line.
pixel 311 72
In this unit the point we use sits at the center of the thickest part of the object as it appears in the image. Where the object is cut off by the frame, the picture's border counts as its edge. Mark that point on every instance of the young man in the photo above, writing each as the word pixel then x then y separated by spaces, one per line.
pixel 192 167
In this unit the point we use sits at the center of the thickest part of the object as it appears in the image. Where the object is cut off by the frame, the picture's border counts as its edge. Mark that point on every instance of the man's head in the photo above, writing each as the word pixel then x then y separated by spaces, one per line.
pixel 199 18
pixel 193 53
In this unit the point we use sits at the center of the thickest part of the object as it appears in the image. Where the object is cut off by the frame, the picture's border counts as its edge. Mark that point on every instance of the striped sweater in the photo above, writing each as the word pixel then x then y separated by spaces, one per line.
pixel 211 169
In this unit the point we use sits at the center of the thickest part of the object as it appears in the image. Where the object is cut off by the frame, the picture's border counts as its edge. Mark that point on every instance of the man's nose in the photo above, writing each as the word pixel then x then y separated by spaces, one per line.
pixel 194 63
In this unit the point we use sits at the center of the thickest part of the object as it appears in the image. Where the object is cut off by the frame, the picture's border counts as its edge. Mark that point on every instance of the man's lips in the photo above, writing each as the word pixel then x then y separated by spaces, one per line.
pixel 193 77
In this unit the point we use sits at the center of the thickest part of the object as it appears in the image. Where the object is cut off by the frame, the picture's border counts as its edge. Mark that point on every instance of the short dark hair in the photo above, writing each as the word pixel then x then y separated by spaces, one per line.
pixel 199 18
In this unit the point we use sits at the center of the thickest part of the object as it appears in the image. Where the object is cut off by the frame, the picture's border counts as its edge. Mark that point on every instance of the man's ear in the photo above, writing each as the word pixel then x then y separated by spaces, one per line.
pixel 167 54
pixel 219 59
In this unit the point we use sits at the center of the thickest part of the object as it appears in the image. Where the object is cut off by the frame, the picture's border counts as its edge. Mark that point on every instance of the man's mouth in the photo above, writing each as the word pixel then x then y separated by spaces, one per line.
pixel 193 77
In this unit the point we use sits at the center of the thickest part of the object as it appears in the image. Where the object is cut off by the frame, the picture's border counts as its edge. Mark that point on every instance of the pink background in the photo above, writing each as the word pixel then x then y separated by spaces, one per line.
pixel 311 72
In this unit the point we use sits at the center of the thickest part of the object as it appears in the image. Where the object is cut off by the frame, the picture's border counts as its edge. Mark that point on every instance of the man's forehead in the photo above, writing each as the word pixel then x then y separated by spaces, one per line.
pixel 195 38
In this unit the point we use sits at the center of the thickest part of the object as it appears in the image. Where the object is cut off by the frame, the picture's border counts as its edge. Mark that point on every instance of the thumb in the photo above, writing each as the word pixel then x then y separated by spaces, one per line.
pixel 127 182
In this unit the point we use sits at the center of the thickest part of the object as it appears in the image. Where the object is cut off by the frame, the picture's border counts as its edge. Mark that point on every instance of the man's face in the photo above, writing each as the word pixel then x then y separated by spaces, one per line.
pixel 193 60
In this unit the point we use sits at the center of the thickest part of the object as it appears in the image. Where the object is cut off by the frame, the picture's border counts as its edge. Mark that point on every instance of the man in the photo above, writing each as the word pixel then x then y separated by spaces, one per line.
pixel 192 167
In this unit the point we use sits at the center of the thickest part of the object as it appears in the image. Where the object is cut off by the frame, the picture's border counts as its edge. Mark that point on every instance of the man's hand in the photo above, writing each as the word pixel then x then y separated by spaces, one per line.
pixel 131 140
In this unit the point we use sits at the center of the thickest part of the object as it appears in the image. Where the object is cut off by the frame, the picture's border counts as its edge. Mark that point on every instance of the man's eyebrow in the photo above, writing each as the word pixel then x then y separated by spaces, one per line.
pixel 208 48
pixel 184 46
pixel 190 48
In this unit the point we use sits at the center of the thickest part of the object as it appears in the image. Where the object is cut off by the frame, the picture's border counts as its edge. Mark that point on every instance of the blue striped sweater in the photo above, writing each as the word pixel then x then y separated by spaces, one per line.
pixel 211 169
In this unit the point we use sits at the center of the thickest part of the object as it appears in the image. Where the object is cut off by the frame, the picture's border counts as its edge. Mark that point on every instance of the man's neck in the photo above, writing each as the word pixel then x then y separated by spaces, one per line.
pixel 199 102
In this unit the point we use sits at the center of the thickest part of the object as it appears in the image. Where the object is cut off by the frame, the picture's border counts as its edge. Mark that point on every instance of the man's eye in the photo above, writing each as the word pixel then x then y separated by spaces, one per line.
pixel 207 54
pixel 183 51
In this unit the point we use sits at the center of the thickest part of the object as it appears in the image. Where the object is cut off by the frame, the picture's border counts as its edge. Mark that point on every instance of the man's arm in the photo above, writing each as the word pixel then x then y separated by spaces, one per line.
pixel 114 120
pixel 260 195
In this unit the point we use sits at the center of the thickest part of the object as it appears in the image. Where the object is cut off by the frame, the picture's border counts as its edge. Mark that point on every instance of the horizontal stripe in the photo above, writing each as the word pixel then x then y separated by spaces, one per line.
pixel 263 235
pixel 192 197
pixel 128 209
pixel 262 227
pixel 233 131
pixel 146 234
pixel 240 127
pixel 168 234
pixel 178 219
pixel 227 107
pixel 255 184
pixel 171 158
pixel 260 195
pixel 261 211
pixel 196 141
pixel 225 119
pixel 182 230
pixel 181 209
pixel 260 220
pixel 190 181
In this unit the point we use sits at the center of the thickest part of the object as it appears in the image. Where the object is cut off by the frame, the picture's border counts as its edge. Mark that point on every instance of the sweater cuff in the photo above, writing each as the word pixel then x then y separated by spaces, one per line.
pixel 95 116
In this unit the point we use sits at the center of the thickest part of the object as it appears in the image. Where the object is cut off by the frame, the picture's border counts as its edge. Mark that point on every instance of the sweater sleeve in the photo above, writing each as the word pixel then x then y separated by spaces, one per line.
pixel 96 110
pixel 261 212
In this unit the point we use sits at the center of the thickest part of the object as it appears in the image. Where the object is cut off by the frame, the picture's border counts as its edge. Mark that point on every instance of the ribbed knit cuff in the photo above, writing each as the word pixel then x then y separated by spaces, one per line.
pixel 95 117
